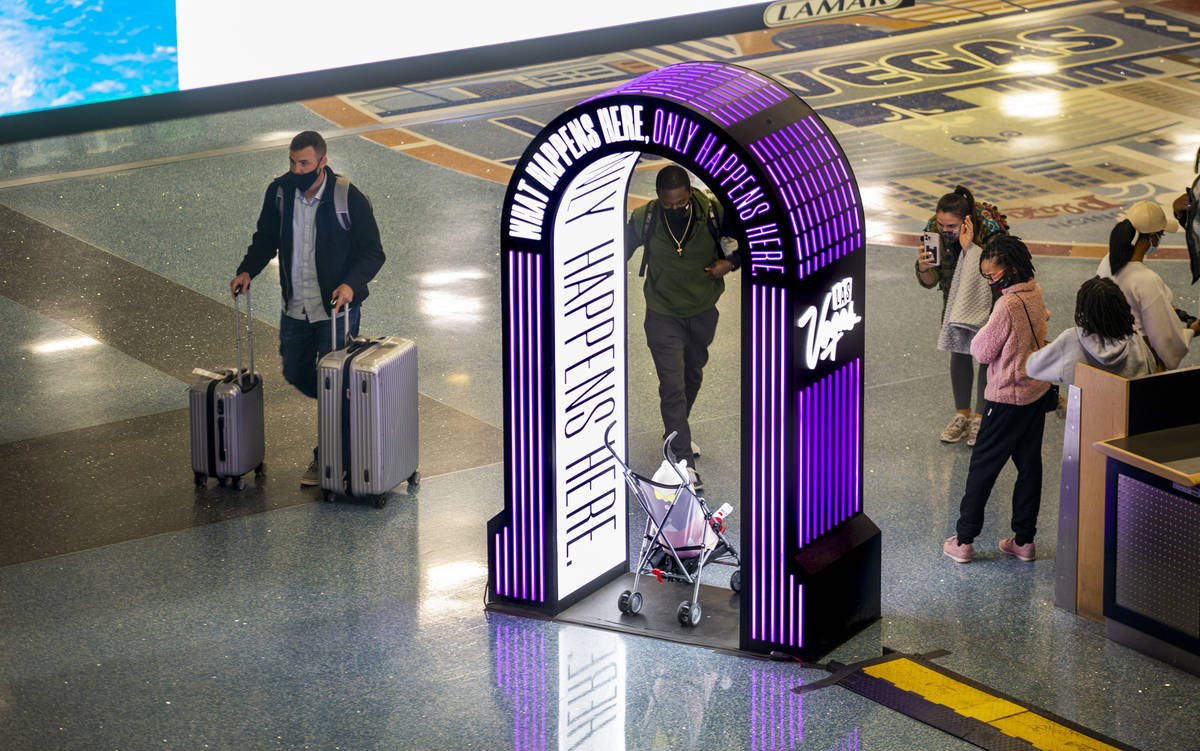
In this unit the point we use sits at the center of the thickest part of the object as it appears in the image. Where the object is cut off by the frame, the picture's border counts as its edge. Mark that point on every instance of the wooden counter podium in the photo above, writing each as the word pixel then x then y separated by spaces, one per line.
pixel 1100 407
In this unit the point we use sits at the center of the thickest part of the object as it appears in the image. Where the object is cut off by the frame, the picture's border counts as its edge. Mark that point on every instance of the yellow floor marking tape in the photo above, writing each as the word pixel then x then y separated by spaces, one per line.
pixel 939 689
pixel 1047 734
pixel 1007 717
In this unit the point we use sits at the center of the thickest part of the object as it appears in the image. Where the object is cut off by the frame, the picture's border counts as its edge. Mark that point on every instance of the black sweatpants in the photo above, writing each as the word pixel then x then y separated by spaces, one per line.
pixel 1007 430
pixel 679 347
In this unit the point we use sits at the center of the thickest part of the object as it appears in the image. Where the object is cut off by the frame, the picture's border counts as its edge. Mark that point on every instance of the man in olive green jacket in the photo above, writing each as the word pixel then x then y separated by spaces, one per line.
pixel 684 263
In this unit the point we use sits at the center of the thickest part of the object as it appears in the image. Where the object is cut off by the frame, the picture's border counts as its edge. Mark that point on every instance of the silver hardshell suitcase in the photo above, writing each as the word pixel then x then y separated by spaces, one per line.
pixel 227 417
pixel 367 425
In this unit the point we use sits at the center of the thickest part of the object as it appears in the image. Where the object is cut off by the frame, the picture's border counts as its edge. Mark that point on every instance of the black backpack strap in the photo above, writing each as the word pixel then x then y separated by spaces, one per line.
pixel 715 230
pixel 647 228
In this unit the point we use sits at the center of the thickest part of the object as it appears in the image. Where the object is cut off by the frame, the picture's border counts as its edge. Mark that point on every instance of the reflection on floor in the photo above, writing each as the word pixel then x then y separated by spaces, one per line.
pixel 137 613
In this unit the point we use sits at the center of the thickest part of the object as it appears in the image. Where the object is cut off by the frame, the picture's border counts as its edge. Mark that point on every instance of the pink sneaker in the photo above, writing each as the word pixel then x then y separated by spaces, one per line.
pixel 960 553
pixel 1025 552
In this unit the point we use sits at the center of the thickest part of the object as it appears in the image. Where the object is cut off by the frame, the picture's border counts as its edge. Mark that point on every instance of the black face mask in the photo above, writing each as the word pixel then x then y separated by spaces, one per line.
pixel 676 216
pixel 305 181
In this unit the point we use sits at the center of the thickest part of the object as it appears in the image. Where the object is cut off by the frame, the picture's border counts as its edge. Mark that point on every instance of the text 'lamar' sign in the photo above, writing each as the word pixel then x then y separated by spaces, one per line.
pixel 799 11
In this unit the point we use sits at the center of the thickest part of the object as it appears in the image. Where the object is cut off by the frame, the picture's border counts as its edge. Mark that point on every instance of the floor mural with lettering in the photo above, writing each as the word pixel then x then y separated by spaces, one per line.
pixel 1061 120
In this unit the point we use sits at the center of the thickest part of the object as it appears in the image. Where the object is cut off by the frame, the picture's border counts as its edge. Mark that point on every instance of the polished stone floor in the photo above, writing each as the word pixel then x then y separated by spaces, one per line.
pixel 137 612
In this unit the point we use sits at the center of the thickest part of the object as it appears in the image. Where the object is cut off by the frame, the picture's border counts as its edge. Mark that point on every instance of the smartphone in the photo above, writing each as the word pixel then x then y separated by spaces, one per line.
pixel 929 241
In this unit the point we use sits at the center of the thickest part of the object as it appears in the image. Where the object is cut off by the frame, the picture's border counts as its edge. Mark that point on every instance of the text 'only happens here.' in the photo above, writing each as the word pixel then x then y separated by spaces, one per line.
pixel 719 162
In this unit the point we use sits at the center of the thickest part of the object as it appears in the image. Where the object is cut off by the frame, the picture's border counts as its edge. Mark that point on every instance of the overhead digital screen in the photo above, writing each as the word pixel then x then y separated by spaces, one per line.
pixel 59 53
pixel 63 53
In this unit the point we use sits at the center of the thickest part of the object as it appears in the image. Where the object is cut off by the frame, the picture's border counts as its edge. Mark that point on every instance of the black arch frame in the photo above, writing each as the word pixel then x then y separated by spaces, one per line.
pixel 790 190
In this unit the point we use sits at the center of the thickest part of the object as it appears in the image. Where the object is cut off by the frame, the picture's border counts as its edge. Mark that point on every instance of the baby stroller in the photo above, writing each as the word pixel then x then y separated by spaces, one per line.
pixel 682 535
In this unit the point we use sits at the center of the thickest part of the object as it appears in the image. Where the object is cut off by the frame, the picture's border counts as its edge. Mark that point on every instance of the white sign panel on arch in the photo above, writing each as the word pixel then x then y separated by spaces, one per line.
pixel 589 356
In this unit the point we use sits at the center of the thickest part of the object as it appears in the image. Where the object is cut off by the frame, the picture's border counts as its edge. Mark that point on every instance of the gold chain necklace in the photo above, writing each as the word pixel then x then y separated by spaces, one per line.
pixel 676 240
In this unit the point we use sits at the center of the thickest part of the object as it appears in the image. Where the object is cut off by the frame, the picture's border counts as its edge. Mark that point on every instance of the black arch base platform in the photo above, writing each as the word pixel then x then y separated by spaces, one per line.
pixel 718 628
pixel 841 578
pixel 841 573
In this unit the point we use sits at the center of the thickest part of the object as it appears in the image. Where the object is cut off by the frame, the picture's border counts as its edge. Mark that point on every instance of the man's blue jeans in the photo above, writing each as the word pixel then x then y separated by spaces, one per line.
pixel 302 343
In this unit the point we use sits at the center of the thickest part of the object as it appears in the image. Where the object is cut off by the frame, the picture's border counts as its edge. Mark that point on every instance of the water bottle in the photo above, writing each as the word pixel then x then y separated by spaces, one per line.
pixel 719 517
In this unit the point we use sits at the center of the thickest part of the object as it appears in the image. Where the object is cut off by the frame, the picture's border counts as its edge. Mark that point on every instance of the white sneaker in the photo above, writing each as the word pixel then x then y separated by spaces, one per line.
pixel 695 449
pixel 956 430
pixel 694 479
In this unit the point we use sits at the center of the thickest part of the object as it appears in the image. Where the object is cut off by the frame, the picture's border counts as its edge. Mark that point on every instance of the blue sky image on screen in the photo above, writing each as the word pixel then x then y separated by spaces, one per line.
pixel 69 52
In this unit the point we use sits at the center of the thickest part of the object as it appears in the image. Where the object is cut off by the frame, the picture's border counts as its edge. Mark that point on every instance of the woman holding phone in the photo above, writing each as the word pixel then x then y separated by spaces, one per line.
pixel 958 230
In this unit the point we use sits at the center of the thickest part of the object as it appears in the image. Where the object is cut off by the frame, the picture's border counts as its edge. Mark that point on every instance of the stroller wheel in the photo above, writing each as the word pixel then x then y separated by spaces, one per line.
pixel 735 581
pixel 629 602
pixel 689 613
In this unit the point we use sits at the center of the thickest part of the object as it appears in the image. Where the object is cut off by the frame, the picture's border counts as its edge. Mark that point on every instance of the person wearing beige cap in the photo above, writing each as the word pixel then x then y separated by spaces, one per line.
pixel 1134 237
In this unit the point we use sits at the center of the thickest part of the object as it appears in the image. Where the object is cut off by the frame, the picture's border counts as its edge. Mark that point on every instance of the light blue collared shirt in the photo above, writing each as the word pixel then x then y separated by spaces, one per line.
pixel 306 303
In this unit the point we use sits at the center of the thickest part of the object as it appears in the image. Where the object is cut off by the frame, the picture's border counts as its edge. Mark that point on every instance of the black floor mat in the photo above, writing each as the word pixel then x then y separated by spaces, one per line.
pixel 719 607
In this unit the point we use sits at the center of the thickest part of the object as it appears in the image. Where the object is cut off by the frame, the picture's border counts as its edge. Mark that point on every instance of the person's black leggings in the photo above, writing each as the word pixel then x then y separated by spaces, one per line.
pixel 962 372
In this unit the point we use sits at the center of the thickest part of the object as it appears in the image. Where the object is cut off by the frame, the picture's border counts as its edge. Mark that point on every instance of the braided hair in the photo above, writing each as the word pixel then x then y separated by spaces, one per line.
pixel 1011 253
pixel 1101 309
pixel 1120 245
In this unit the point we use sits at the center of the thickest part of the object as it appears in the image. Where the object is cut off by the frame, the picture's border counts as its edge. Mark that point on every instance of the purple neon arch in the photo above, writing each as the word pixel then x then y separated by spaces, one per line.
pixel 802 428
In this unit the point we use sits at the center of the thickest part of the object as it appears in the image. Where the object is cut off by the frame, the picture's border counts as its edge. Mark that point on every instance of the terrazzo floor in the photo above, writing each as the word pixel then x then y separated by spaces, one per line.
pixel 137 612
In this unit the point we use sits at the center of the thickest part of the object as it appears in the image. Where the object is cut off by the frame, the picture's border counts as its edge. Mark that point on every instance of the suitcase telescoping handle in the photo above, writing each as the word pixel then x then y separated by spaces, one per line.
pixel 237 334
pixel 333 326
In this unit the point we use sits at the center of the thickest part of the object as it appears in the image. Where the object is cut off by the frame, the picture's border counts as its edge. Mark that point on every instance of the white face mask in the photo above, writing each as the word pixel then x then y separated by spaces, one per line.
pixel 1137 236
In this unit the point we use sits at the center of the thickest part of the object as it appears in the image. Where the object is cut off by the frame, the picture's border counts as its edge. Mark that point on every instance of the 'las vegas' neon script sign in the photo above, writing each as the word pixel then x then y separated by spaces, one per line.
pixel 826 328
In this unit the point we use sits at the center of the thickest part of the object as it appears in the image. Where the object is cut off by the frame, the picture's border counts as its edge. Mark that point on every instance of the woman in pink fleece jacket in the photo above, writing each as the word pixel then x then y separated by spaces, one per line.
pixel 1013 418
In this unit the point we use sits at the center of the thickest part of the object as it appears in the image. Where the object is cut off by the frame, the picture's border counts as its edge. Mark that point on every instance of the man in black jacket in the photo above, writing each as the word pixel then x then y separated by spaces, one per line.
pixel 327 254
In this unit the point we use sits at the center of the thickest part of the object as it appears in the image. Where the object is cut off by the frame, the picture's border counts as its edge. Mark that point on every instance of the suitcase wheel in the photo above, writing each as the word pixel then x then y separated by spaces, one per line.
pixel 238 482
pixel 261 469
pixel 327 496
pixel 381 500
pixel 220 482
pixel 200 479
pixel 414 481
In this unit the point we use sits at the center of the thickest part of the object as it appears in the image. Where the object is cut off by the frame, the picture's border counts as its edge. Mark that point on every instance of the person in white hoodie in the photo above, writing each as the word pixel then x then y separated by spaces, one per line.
pixel 1133 238
pixel 1103 337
